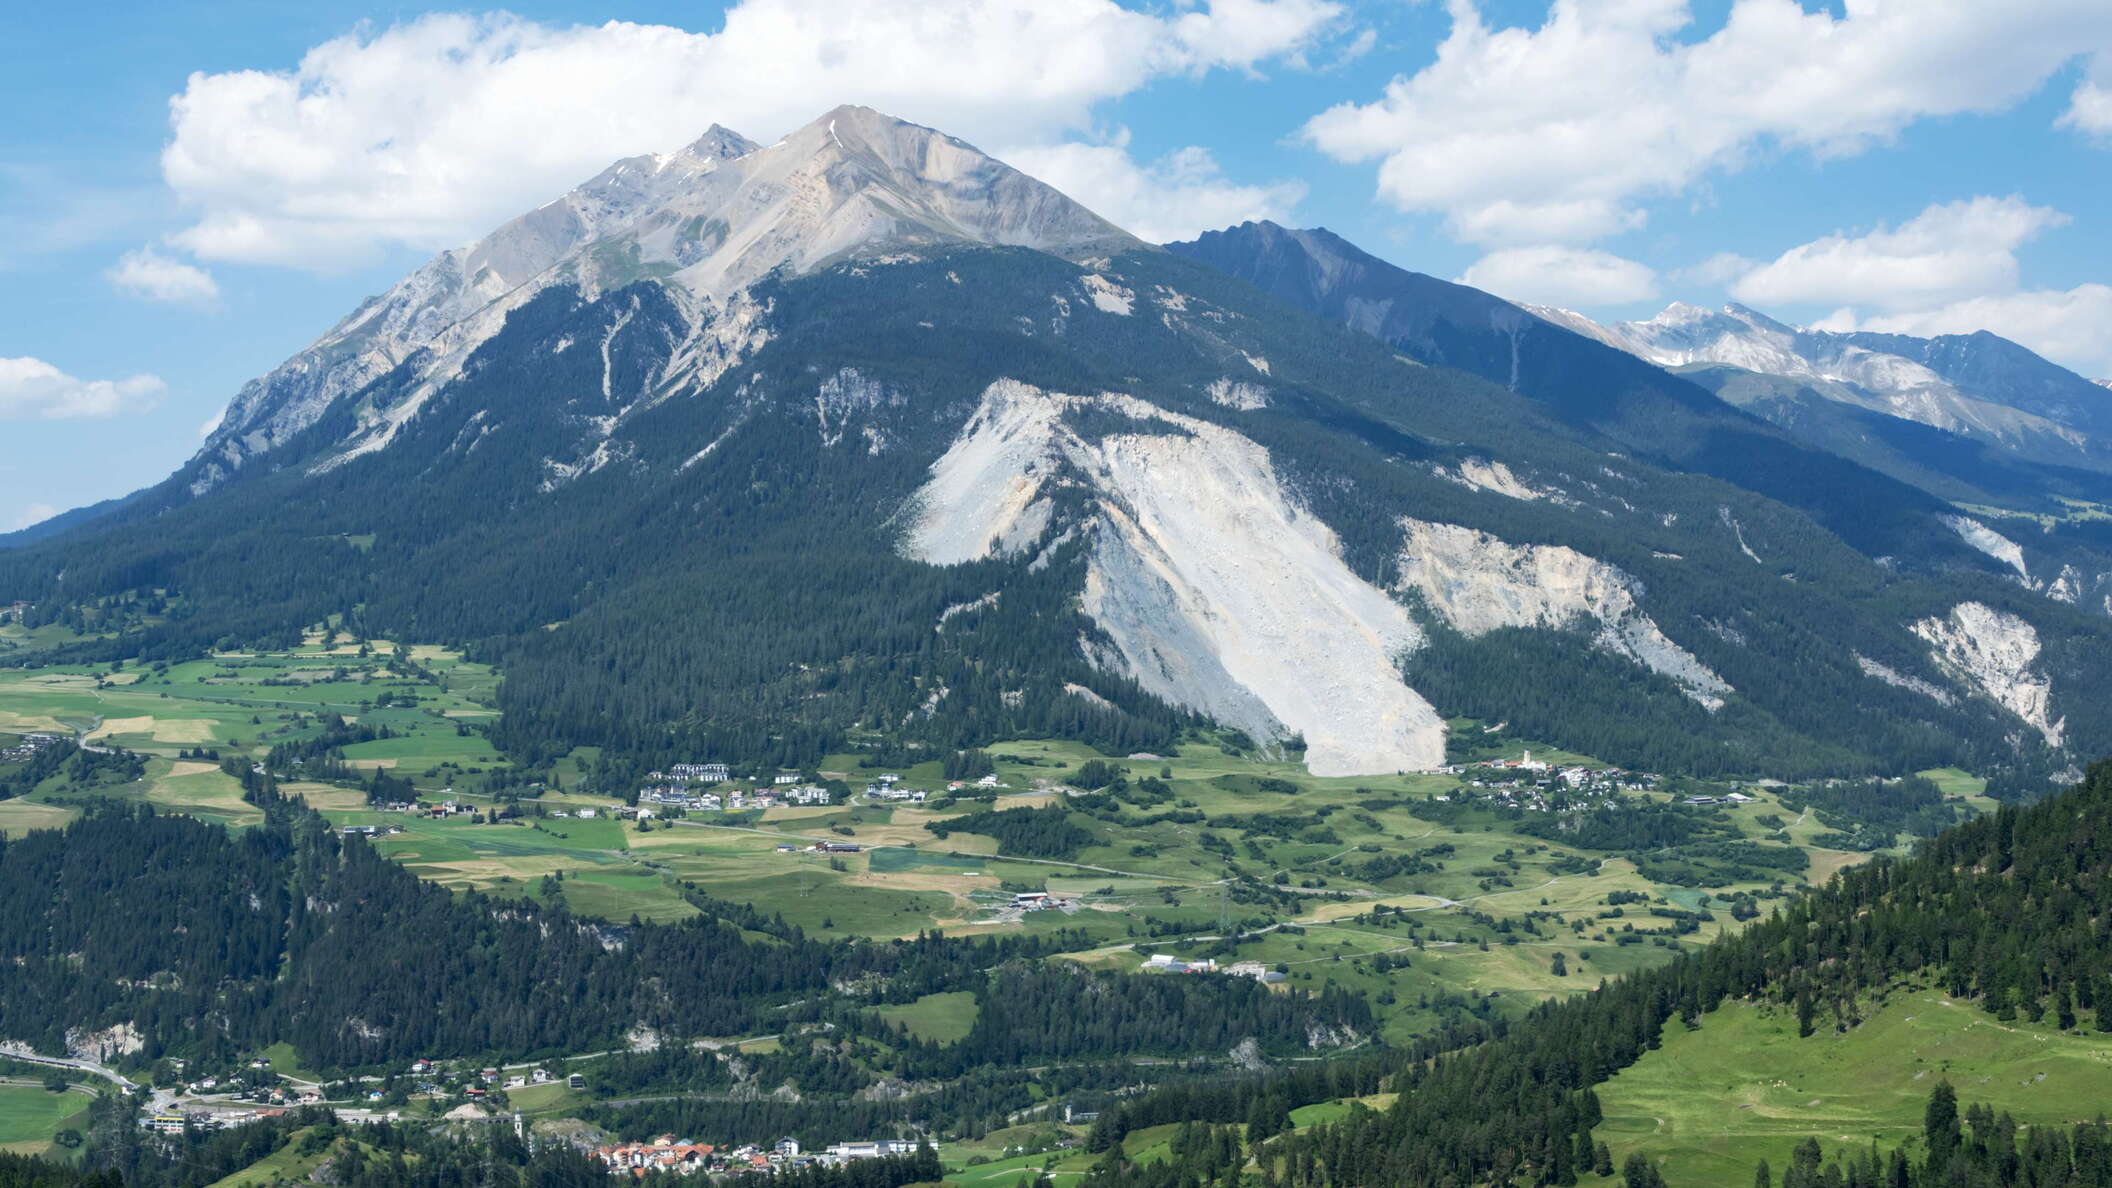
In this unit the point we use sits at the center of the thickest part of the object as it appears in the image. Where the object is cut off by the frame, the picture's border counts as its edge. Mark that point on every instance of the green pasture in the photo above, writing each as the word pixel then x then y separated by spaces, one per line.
pixel 1710 1103
pixel 940 1018
pixel 31 1114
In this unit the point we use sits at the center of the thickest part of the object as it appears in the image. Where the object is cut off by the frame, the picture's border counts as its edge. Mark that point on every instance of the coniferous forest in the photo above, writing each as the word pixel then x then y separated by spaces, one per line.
pixel 2009 910
pixel 209 943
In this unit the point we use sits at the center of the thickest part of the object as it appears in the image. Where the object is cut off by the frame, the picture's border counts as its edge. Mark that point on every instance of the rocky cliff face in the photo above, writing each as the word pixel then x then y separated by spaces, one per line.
pixel 709 220
pixel 1996 654
pixel 1477 584
pixel 1210 585
pixel 449 304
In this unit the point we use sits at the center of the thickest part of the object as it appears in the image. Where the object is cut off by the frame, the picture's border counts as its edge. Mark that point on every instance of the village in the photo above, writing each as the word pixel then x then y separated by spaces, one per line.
pixel 198 1105
pixel 1536 786
pixel 687 786
pixel 682 1157
pixel 27 749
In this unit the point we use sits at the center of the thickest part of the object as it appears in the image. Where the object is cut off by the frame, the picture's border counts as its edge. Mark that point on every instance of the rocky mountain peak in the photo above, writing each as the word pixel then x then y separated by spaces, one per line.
pixel 856 181
pixel 711 219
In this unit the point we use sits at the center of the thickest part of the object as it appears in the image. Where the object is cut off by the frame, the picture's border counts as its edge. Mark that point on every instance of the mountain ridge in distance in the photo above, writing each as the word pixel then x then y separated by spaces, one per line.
pixel 1972 480
pixel 1021 473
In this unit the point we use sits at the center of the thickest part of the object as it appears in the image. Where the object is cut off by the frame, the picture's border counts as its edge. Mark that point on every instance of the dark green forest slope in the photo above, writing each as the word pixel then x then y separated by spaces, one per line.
pixel 209 944
pixel 749 601
pixel 2009 910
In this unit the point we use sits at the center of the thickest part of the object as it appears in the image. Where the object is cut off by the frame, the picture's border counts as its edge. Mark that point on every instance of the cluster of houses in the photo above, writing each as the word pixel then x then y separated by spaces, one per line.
pixel 987 782
pixel 174 1121
pixel 26 750
pixel 889 787
pixel 736 801
pixel 1527 782
pixel 440 810
pixel 669 1154
pixel 694 773
pixel 15 611
pixel 277 1095
pixel 1168 963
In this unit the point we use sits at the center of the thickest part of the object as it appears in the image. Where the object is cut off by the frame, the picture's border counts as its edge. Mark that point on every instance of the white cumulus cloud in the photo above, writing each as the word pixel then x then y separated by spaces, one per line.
pixel 1178 196
pixel 429 132
pixel 2090 107
pixel 1952 269
pixel 1564 276
pixel 144 272
pixel 1948 252
pixel 31 389
pixel 34 514
pixel 1567 131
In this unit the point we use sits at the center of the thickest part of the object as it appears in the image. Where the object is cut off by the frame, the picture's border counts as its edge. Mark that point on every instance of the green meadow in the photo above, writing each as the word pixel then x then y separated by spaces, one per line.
pixel 1711 1103
pixel 31 1114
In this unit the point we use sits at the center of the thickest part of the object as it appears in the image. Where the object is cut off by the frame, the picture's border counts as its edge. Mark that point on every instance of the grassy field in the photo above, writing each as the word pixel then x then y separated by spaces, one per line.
pixel 939 1018
pixel 1374 884
pixel 246 702
pixel 288 1164
pixel 31 1114
pixel 1711 1103
pixel 1203 872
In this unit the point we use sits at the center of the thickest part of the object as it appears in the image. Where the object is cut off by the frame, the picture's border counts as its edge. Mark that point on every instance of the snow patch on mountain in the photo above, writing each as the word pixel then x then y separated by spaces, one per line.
pixel 1991 542
pixel 1994 652
pixel 1843 367
pixel 1478 583
pixel 1213 587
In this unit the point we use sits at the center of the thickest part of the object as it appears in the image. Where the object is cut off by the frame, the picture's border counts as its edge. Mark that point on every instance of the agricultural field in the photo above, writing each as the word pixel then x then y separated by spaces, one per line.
pixel 1414 890
pixel 1713 1102
pixel 247 702
pixel 185 719
pixel 30 1114
pixel 940 1018
pixel 1419 892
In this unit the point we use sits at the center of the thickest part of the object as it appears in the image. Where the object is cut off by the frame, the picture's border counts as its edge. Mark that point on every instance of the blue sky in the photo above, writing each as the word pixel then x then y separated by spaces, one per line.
pixel 191 192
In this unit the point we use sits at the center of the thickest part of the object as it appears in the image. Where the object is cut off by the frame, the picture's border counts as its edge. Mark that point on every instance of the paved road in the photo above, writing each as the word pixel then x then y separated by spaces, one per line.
pixel 21 1052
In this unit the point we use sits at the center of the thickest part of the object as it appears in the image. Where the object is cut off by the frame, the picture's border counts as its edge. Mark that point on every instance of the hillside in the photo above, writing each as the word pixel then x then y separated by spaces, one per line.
pixel 2012 445
pixel 939 458
pixel 2004 912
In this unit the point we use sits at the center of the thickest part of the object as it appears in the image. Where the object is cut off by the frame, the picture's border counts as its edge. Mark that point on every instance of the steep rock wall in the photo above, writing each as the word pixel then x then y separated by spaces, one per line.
pixel 1213 587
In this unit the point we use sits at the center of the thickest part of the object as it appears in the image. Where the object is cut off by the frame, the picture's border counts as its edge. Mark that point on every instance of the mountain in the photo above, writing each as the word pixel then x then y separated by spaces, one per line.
pixel 1969 422
pixel 1977 386
pixel 864 439
pixel 711 219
